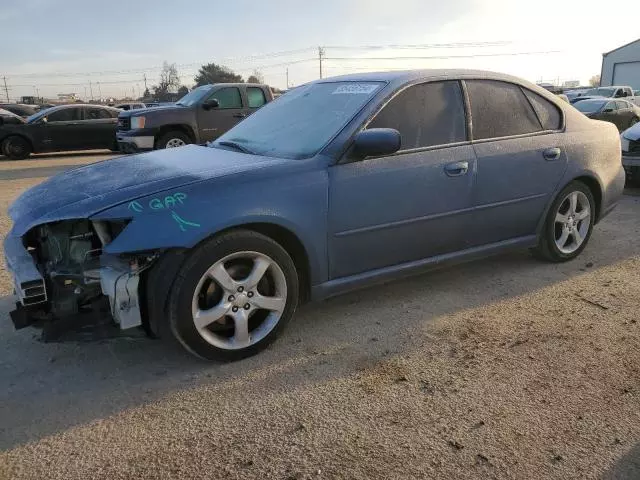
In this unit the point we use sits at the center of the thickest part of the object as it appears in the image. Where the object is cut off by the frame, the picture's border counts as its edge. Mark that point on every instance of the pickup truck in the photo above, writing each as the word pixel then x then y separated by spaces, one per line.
pixel 200 116
pixel 615 91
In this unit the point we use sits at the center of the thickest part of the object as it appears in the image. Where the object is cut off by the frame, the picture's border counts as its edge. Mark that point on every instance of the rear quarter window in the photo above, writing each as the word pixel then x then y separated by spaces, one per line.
pixel 549 115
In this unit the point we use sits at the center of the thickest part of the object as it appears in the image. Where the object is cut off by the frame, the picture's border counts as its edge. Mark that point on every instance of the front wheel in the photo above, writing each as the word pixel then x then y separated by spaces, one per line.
pixel 569 224
pixel 16 148
pixel 233 296
pixel 633 121
pixel 173 139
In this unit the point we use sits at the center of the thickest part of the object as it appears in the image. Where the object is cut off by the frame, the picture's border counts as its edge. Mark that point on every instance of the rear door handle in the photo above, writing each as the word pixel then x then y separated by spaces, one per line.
pixel 552 153
pixel 239 115
pixel 456 169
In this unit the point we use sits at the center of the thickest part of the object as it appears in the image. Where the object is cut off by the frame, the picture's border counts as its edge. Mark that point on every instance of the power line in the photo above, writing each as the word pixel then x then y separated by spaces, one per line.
pixel 443 57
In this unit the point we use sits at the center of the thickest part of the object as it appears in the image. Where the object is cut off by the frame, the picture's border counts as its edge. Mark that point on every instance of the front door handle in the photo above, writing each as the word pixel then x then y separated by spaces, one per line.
pixel 456 169
pixel 239 115
pixel 552 153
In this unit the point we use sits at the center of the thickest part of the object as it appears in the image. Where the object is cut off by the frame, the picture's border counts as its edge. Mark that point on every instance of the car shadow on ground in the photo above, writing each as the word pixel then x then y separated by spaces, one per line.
pixel 627 467
pixel 82 153
pixel 49 388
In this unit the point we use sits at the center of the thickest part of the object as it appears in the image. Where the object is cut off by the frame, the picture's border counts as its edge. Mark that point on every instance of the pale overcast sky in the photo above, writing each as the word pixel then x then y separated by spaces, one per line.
pixel 72 39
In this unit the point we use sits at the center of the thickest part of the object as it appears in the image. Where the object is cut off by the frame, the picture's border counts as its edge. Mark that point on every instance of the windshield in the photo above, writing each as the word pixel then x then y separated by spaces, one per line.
pixel 194 96
pixel 589 106
pixel 300 122
pixel 601 92
pixel 36 116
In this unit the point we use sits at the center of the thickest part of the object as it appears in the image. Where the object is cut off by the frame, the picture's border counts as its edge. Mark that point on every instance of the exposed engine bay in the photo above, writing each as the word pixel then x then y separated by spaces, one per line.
pixel 82 286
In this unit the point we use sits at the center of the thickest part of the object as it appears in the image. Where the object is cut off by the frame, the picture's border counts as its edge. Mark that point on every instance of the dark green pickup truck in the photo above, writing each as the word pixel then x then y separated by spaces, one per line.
pixel 202 115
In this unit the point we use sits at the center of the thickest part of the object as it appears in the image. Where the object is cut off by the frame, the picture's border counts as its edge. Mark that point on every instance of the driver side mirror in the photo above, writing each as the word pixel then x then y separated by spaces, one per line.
pixel 376 142
pixel 209 104
pixel 607 110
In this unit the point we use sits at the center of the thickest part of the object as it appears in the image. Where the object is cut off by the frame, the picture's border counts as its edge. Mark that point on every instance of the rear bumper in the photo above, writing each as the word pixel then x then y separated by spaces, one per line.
pixel 631 165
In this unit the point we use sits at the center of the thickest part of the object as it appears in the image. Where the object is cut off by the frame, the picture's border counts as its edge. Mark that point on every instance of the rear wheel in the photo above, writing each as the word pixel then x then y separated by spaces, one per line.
pixel 16 148
pixel 569 224
pixel 233 296
pixel 173 139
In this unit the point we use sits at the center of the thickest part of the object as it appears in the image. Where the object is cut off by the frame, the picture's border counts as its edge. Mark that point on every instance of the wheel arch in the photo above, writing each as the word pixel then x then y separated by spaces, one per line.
pixel 181 127
pixel 21 135
pixel 593 184
pixel 288 240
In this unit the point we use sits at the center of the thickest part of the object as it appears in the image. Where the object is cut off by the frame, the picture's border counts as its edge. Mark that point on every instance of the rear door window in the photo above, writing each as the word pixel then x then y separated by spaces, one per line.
pixel 228 97
pixel 95 113
pixel 426 115
pixel 547 112
pixel 500 109
pixel 255 97
pixel 622 105
pixel 64 115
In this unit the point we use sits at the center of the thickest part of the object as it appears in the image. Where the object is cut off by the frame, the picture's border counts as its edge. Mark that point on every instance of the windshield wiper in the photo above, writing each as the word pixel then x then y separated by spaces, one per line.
pixel 237 146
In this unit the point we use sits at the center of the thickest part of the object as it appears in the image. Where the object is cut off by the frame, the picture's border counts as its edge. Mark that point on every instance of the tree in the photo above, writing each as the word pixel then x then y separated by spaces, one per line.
pixel 256 77
pixel 182 91
pixel 212 73
pixel 169 82
pixel 146 93
pixel 595 81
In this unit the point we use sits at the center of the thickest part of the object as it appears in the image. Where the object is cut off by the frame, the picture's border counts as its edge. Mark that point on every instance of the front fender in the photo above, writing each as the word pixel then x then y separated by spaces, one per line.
pixel 182 218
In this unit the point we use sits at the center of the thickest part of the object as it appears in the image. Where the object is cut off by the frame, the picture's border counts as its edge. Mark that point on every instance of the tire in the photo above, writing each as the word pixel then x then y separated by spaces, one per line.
pixel 563 222
pixel 16 148
pixel 223 310
pixel 633 121
pixel 172 139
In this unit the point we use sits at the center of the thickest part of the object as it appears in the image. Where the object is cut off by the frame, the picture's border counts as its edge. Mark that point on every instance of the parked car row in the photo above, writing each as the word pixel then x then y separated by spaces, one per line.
pixel 62 128
pixel 202 115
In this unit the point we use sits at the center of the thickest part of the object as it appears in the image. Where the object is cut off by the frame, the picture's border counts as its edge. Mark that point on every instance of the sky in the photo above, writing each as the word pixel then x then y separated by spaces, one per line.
pixel 105 48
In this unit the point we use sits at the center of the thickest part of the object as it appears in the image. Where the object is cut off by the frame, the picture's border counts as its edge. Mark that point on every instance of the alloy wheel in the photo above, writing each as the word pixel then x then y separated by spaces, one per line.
pixel 239 300
pixel 175 142
pixel 572 222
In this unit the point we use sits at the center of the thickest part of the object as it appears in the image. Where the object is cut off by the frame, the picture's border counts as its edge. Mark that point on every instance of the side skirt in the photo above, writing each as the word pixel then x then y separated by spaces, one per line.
pixel 385 274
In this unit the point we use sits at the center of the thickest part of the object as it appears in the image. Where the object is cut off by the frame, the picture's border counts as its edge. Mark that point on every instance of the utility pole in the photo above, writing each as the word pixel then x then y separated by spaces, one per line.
pixel 287 78
pixel 145 82
pixel 99 92
pixel 6 90
pixel 320 55
pixel 85 94
pixel 91 90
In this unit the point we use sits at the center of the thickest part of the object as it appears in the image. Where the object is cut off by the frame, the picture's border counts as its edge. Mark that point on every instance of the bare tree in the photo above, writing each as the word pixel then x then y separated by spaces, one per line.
pixel 595 81
pixel 169 81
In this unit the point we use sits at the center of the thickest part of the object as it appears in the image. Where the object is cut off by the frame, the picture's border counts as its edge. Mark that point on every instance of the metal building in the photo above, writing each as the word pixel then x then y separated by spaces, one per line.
pixel 622 66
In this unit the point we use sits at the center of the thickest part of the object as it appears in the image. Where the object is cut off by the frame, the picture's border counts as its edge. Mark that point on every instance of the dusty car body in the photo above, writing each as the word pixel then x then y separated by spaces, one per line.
pixel 336 185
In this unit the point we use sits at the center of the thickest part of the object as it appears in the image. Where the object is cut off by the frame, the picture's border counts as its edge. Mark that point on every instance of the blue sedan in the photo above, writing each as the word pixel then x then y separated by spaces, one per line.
pixel 336 185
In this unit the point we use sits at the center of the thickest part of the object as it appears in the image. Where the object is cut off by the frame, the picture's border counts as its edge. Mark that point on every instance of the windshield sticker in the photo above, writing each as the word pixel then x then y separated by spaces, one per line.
pixel 356 88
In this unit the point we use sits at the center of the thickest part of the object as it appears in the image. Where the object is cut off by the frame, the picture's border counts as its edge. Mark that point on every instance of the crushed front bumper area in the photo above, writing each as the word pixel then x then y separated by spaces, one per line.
pixel 56 303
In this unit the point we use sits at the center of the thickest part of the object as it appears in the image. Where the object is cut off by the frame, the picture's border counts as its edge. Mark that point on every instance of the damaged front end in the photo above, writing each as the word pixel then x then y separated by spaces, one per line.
pixel 65 283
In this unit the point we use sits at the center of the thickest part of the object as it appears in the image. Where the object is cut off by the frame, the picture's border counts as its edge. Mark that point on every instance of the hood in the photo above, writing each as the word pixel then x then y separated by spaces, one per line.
pixel 149 110
pixel 632 133
pixel 87 190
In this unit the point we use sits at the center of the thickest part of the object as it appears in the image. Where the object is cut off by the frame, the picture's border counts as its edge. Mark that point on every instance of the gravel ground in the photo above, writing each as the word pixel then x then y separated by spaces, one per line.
pixel 503 368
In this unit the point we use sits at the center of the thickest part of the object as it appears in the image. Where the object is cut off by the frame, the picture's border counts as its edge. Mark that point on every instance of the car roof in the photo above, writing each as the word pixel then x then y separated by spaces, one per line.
pixel 7 113
pixel 71 105
pixel 430 74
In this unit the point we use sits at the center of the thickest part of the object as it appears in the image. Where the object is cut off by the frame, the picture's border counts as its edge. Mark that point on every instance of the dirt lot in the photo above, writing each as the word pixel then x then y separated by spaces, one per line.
pixel 503 368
